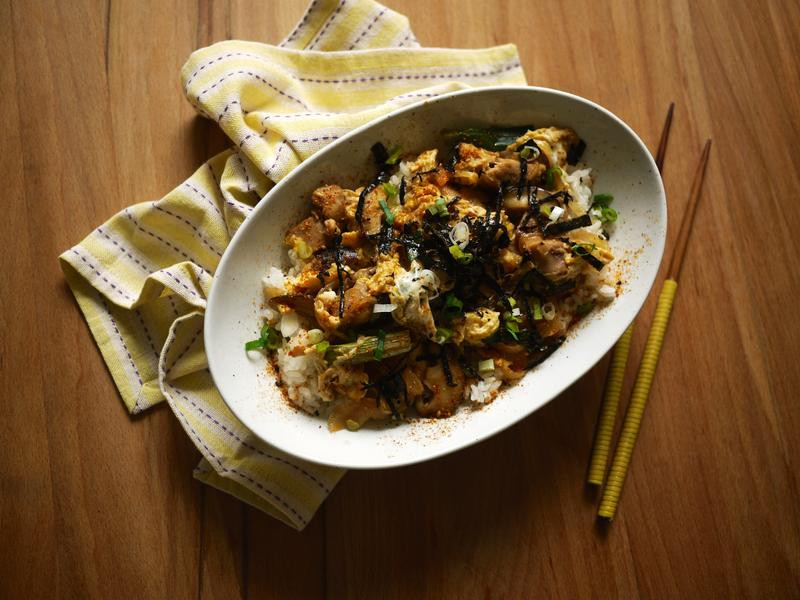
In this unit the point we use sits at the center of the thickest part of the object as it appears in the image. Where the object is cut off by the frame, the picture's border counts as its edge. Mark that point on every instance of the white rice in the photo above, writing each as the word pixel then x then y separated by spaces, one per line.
pixel 484 390
pixel 274 283
pixel 299 373
pixel 580 182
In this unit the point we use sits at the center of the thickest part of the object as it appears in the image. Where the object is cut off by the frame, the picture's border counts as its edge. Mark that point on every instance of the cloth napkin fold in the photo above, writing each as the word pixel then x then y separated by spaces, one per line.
pixel 142 278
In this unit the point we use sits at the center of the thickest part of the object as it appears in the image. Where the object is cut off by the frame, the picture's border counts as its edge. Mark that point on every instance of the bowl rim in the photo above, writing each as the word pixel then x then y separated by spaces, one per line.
pixel 435 452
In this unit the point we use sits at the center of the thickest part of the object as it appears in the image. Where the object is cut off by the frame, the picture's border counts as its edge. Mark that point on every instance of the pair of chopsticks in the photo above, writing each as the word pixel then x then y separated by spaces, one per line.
pixel 647 367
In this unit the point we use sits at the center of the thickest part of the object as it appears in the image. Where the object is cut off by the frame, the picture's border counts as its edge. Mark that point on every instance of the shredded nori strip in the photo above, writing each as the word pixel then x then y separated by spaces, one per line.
pixel 533 207
pixel 468 368
pixel 575 152
pixel 402 193
pixel 385 238
pixel 339 273
pixel 362 198
pixel 523 176
pixel 380 154
pixel 421 173
pixel 544 350
pixel 495 138
pixel 592 260
pixel 446 367
pixel 451 164
pixel 564 226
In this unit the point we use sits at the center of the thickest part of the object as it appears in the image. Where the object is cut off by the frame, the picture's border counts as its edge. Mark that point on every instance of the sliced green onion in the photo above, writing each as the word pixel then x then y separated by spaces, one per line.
pixel 512 327
pixel 378 352
pixel 315 335
pixel 550 176
pixel 254 345
pixel 512 302
pixel 394 155
pixel 268 340
pixel 526 153
pixel 608 214
pixel 585 308
pixel 536 307
pixel 461 256
pixel 583 249
pixel 389 214
pixel 452 305
pixel 322 347
pixel 546 209
pixel 548 311
pixel 602 200
pixel 302 249
pixel 439 208
pixel 390 189
pixel 485 366
pixel 442 335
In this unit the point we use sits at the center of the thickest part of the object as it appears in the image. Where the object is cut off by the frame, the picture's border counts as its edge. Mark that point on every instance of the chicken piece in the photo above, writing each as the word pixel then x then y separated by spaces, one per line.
pixel 479 325
pixel 372 215
pixel 332 201
pixel 352 413
pixel 477 166
pixel 413 383
pixel 410 294
pixel 309 230
pixel 552 257
pixel 444 398
pixel 358 304
pixel 509 260
pixel 347 386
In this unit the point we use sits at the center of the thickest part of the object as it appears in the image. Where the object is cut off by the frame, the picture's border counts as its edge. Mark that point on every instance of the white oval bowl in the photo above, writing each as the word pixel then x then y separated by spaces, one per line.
pixel 622 166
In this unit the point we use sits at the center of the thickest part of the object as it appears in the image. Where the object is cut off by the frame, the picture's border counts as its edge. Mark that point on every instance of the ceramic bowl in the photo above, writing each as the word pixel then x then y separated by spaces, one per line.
pixel 622 166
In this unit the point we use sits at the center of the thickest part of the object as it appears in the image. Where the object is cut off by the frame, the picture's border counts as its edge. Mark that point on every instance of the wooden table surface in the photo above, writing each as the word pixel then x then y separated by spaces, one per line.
pixel 95 504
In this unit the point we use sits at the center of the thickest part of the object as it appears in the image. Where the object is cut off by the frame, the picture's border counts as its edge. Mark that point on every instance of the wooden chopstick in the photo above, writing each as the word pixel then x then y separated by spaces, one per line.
pixel 619 361
pixel 652 350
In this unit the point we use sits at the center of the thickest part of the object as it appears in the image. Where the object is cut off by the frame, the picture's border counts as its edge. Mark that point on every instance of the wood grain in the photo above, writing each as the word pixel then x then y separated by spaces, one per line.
pixel 94 504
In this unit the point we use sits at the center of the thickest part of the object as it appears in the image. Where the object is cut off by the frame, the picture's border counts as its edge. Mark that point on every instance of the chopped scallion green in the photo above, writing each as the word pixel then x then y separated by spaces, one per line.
pixel 387 211
pixel 394 155
pixel 583 249
pixel 322 347
pixel 485 366
pixel 442 335
pixel 608 214
pixel 254 345
pixel 550 176
pixel 603 200
pixel 452 305
pixel 390 189
pixel 536 308
pixel 268 340
pixel 461 256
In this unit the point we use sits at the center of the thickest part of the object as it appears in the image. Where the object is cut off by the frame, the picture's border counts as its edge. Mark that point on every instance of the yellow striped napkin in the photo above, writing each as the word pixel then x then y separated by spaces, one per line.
pixel 142 278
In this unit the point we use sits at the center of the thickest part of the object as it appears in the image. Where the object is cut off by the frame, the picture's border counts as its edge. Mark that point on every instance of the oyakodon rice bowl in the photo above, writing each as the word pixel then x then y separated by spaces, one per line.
pixel 437 283
pixel 460 313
